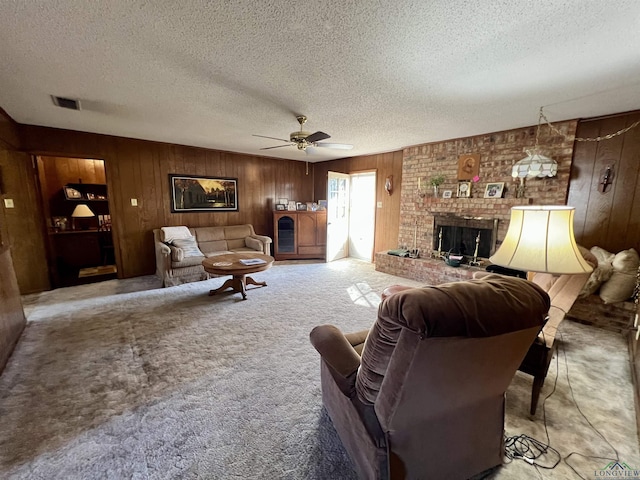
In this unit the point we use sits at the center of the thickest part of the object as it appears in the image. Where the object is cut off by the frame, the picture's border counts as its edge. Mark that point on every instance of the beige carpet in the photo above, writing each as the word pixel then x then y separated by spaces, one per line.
pixel 122 379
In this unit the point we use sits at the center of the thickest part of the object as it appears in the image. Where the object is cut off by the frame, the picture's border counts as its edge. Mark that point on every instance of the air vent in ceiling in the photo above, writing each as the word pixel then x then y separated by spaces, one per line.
pixel 66 102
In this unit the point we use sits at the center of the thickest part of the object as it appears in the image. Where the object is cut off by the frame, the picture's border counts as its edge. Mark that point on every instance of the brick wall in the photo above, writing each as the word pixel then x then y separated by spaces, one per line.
pixel 498 152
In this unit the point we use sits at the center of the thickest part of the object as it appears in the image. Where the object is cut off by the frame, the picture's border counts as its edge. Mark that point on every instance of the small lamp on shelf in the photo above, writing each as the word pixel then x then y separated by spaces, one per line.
pixel 81 211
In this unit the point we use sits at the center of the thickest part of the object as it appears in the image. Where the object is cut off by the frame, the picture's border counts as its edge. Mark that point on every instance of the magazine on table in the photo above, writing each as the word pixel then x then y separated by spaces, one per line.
pixel 252 261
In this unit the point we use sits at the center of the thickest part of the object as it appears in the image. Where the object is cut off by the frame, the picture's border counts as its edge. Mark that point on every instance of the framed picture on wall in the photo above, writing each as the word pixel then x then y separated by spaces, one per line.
pixel 468 166
pixel 494 190
pixel 191 193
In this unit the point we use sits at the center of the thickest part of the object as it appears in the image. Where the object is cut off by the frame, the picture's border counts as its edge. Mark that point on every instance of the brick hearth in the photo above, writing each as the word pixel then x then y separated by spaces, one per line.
pixel 428 270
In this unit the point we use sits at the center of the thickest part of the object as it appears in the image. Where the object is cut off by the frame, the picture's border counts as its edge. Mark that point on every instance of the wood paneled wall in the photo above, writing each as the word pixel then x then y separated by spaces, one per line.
pixel 12 319
pixel 610 220
pixel 140 169
pixel 23 225
pixel 384 164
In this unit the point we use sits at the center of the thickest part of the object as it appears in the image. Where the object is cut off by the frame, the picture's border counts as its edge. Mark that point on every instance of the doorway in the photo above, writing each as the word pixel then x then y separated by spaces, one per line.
pixel 73 194
pixel 351 201
pixel 362 215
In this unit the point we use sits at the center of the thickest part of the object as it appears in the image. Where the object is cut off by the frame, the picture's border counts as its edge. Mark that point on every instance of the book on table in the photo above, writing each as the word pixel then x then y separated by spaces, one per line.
pixel 252 261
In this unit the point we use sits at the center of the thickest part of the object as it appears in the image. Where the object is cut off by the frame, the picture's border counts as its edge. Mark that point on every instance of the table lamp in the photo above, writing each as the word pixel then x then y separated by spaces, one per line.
pixel 81 211
pixel 540 239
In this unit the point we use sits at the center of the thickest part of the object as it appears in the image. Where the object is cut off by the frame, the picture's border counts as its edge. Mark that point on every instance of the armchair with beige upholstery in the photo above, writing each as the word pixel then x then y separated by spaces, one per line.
pixel 424 395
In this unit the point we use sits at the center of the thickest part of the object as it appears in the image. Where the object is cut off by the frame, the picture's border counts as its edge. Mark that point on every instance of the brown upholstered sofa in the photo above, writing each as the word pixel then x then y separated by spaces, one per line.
pixel 175 268
pixel 424 395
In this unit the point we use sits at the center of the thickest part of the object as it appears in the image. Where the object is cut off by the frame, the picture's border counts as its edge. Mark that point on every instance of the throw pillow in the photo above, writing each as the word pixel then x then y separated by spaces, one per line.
pixel 623 280
pixel 189 247
pixel 589 257
pixel 171 233
pixel 602 255
pixel 602 270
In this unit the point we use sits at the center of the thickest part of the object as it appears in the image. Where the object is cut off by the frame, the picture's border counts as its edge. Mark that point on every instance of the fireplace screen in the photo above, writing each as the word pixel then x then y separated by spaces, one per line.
pixel 458 235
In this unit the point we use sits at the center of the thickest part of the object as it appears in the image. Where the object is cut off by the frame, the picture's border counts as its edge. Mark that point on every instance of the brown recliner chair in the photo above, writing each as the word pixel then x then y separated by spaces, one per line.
pixel 425 397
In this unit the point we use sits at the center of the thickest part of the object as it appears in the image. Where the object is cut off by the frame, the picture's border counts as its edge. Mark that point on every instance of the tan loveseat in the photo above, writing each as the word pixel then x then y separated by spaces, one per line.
pixel 175 267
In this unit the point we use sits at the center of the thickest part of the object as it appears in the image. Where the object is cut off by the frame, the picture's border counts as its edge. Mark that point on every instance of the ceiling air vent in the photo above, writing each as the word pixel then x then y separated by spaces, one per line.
pixel 66 102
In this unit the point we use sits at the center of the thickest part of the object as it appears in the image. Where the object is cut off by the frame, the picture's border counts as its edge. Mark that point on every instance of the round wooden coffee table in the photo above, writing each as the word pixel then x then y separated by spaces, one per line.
pixel 230 264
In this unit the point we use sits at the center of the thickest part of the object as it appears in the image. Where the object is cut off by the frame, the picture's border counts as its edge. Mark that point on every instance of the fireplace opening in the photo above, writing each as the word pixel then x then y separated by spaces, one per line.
pixel 458 235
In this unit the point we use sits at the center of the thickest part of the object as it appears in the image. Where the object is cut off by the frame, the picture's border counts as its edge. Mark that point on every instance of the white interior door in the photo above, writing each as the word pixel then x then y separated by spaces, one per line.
pixel 337 216
pixel 362 215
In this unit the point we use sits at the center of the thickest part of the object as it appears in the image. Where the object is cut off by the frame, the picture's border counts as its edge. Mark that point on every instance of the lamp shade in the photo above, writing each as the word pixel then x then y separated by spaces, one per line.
pixel 540 239
pixel 82 211
pixel 534 165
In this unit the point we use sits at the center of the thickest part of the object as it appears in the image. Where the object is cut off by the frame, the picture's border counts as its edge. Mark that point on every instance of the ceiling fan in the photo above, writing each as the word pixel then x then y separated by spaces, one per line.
pixel 302 140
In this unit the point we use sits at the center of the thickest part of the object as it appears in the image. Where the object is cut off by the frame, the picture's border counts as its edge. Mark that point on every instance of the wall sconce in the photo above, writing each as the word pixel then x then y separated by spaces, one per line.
pixel 606 179
pixel 388 185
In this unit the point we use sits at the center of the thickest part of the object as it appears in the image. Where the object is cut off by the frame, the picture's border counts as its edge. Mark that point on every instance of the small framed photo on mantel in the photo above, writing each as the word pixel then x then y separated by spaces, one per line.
pixel 464 189
pixel 494 190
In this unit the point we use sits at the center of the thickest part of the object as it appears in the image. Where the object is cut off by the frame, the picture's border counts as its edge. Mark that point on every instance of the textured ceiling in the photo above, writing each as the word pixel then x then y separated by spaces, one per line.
pixel 381 75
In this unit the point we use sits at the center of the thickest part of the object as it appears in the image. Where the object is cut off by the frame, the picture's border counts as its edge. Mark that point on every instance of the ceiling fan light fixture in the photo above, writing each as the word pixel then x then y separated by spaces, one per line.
pixel 302 139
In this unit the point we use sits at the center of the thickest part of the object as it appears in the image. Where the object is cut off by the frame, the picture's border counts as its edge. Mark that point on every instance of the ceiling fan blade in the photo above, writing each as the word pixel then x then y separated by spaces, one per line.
pixel 316 137
pixel 277 146
pixel 272 138
pixel 341 146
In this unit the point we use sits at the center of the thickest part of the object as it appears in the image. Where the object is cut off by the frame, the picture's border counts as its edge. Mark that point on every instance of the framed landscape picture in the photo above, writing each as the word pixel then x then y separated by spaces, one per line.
pixel 494 190
pixel 191 193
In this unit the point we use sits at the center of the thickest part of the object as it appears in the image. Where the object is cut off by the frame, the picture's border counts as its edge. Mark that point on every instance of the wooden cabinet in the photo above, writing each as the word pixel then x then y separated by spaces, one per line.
pixel 300 234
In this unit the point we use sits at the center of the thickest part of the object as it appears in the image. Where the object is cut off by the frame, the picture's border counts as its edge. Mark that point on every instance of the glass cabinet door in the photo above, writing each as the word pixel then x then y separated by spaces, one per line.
pixel 286 235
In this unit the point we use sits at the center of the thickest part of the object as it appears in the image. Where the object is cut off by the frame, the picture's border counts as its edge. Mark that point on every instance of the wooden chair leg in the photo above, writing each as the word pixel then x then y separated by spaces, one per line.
pixel 538 382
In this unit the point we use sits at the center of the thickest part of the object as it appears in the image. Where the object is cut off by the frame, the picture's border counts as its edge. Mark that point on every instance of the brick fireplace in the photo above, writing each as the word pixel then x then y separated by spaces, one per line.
pixel 419 208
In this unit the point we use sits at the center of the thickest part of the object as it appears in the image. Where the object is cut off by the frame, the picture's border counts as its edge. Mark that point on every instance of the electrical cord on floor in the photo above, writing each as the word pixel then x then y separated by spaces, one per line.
pixel 528 449
pixel 600 434
pixel 532 451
